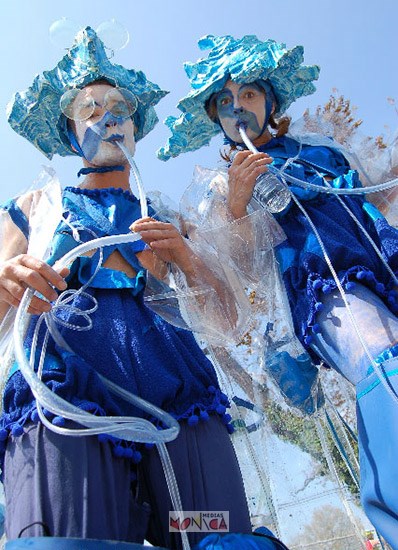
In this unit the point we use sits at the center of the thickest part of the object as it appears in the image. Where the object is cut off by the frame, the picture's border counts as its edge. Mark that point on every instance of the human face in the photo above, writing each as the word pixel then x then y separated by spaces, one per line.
pixel 99 134
pixel 241 104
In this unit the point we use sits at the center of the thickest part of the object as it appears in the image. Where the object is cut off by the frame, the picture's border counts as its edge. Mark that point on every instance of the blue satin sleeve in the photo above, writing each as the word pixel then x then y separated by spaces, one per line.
pixel 17 216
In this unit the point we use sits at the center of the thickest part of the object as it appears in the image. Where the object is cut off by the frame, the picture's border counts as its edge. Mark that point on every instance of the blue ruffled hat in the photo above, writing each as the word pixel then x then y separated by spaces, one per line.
pixel 243 60
pixel 36 114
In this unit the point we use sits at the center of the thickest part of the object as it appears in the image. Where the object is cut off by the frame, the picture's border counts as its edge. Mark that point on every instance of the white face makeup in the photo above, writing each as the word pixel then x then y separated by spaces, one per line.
pixel 99 133
pixel 241 104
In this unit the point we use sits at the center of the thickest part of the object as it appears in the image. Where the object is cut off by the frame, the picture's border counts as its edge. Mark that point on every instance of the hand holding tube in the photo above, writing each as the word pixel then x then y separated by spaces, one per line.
pixel 168 245
pixel 23 271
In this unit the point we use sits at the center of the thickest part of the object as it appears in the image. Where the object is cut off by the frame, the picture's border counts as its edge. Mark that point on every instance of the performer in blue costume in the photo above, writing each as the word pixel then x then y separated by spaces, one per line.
pixel 101 330
pixel 338 259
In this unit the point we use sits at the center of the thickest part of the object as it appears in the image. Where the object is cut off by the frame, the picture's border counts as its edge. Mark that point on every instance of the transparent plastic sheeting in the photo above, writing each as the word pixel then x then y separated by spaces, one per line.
pixel 297 453
pixel 216 307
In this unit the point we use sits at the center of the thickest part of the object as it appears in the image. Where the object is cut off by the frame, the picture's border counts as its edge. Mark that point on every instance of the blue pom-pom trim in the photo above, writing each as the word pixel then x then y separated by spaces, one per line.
pixel 215 403
pixel 317 286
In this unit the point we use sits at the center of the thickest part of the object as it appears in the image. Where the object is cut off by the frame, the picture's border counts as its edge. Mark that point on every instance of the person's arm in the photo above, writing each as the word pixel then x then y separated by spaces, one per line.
pixel 167 245
pixel 19 270
pixel 212 304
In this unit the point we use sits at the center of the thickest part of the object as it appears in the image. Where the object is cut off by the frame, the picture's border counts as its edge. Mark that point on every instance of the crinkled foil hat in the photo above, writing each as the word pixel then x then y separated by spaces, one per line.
pixel 36 114
pixel 244 60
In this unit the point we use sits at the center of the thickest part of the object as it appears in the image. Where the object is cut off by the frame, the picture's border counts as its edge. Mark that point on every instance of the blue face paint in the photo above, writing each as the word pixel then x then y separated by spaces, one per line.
pixel 249 105
pixel 98 136
pixel 227 109
pixel 91 143
pixel 106 130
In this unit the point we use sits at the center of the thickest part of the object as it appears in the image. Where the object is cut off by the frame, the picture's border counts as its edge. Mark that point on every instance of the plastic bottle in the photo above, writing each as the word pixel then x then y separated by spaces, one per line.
pixel 271 193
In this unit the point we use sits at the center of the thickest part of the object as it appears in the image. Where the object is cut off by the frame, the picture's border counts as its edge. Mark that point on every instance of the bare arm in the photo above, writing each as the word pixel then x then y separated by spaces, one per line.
pixel 19 270
pixel 218 303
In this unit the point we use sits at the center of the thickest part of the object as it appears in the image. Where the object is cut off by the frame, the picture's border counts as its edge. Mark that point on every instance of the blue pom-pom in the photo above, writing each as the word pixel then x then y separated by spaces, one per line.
pixel 149 446
pixel 317 284
pixel 220 409
pixel 327 289
pixel 34 416
pixel 137 457
pixel 224 399
pixel 58 421
pixel 380 287
pixel 316 328
pixel 193 420
pixel 128 452
pixel 103 438
pixel 361 275
pixel 3 434
pixel 319 306
pixel 204 415
pixel 226 418
pixel 118 450
pixel 211 389
pixel 230 428
pixel 17 430
pixel 369 276
pixel 308 340
pixel 350 285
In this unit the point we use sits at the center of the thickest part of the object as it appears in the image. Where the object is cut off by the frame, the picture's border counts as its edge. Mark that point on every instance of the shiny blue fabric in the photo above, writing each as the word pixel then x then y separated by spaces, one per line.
pixel 296 378
pixel 128 343
pixel 97 213
pixel 377 414
pixel 17 216
pixel 234 541
pixel 36 112
pixel 305 273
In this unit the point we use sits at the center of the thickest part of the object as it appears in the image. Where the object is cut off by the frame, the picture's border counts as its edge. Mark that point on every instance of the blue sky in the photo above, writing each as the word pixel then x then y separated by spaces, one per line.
pixel 354 42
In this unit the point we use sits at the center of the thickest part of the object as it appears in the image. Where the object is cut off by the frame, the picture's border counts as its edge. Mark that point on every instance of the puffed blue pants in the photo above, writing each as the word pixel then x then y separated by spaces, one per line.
pixel 377 407
pixel 74 487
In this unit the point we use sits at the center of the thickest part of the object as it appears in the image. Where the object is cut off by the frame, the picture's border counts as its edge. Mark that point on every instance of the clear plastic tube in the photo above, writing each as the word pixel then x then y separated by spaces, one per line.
pixel 137 178
pixel 124 427
pixel 372 361
pixel 135 171
pixel 131 429
pixel 319 189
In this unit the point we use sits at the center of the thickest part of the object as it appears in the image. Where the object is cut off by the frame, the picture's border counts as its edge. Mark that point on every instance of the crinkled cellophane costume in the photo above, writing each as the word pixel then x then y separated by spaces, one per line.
pixel 297 418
